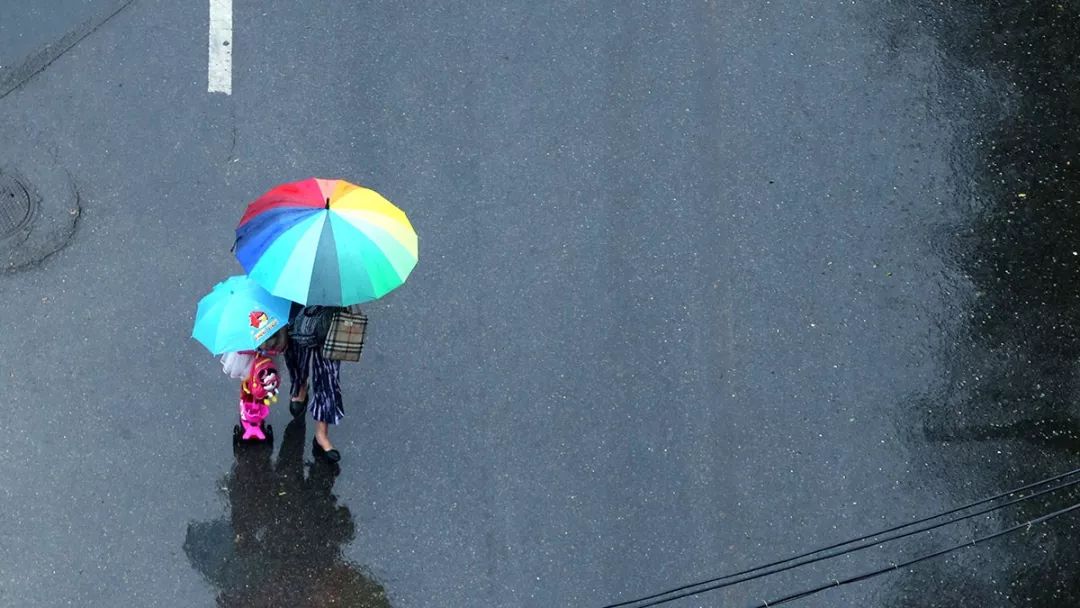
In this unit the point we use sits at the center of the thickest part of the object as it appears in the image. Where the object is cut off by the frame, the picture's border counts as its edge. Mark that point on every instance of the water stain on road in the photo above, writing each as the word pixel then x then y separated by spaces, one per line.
pixel 281 543
pixel 1003 414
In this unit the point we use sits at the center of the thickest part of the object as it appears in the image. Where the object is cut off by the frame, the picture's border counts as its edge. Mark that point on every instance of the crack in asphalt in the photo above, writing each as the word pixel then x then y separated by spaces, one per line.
pixel 36 63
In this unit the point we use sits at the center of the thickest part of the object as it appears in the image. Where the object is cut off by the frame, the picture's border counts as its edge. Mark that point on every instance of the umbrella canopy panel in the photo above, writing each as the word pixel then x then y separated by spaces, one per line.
pixel 238 315
pixel 326 242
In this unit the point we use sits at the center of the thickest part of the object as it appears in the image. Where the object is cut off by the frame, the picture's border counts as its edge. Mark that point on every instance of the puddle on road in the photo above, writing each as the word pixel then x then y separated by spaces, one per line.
pixel 280 544
pixel 1003 414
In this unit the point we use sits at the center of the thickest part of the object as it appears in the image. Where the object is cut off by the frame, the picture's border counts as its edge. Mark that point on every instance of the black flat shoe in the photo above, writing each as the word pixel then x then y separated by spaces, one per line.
pixel 296 408
pixel 317 451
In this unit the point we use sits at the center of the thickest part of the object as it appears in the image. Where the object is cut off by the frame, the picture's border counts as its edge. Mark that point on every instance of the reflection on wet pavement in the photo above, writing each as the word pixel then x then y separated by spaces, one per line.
pixel 1002 413
pixel 281 543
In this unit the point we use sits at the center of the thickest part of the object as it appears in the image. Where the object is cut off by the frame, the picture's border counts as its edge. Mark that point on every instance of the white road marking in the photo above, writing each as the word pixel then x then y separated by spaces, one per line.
pixel 219 74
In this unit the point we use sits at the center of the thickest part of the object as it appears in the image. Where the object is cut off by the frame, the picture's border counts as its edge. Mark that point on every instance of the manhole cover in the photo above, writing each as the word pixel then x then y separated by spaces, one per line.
pixel 14 205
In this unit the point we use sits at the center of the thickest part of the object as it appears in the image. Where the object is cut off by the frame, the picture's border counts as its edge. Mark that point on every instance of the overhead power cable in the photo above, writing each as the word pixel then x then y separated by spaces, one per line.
pixel 866 545
pixel 874 535
pixel 910 562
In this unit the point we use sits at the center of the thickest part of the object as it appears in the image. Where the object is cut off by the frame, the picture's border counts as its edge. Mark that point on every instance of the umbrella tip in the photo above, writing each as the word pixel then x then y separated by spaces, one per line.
pixel 328 202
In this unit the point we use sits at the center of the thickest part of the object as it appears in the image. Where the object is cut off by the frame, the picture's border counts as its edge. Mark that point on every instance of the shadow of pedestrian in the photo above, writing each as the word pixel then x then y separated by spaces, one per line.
pixel 281 543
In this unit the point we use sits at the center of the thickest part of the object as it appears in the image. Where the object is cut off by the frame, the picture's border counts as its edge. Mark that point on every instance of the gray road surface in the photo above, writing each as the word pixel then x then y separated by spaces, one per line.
pixel 701 285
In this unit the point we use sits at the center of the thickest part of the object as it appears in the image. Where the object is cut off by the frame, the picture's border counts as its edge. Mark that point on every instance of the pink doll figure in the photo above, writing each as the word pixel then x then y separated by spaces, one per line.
pixel 257 391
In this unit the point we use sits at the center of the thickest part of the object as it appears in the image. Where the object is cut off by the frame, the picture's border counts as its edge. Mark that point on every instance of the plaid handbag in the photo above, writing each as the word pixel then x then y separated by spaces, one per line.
pixel 345 339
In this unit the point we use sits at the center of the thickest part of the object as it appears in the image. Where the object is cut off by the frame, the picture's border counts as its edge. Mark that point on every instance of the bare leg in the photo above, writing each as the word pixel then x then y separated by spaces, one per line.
pixel 322 436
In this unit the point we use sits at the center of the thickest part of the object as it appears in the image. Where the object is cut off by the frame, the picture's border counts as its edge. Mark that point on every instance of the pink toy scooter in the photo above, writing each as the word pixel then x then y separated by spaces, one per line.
pixel 257 391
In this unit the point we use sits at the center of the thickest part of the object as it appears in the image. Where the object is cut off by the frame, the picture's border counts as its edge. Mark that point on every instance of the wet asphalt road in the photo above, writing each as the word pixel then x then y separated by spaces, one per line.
pixel 27 27
pixel 701 285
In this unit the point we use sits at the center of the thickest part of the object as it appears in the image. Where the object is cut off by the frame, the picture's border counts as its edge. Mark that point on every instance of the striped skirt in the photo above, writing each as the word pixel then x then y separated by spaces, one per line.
pixel 324 394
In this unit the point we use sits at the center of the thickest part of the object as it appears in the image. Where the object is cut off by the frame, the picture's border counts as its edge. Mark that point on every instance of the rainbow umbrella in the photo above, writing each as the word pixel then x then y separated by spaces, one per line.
pixel 326 242
pixel 238 315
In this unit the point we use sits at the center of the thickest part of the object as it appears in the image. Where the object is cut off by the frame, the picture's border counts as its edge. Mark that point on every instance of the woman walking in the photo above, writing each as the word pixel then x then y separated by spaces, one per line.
pixel 327 244
pixel 308 326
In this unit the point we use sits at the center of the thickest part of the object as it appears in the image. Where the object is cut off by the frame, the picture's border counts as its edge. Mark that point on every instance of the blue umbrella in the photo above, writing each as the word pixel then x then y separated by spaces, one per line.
pixel 238 315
